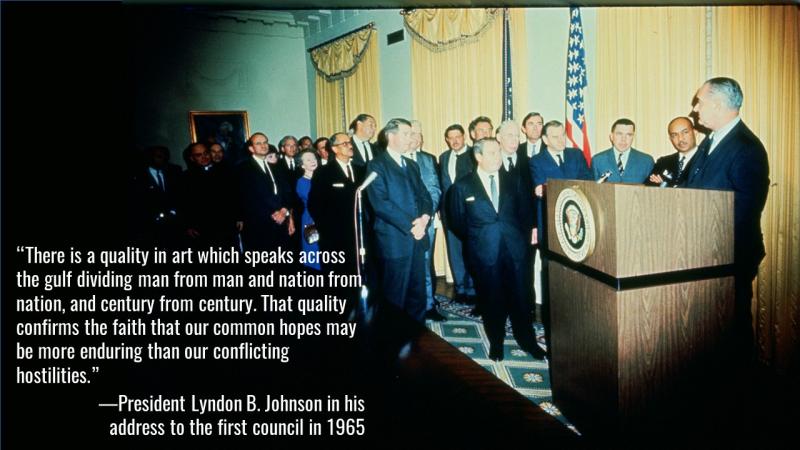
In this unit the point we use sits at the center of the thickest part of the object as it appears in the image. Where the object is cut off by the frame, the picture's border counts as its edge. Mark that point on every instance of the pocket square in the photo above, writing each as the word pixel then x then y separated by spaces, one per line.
pixel 470 199
pixel 339 185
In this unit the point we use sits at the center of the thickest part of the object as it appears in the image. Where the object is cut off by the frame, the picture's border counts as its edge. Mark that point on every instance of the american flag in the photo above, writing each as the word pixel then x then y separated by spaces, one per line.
pixel 508 107
pixel 577 130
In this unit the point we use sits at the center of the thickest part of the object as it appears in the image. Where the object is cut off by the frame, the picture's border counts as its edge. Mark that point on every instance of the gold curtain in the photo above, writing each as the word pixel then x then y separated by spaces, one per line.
pixel 339 58
pixel 759 46
pixel 442 29
pixel 362 90
pixel 463 82
pixel 650 62
pixel 330 115
pixel 347 80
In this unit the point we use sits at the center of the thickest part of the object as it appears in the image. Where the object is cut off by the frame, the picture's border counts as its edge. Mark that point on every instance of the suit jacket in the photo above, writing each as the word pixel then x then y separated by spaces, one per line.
pixel 738 163
pixel 521 172
pixel 153 207
pixel 481 228
pixel 637 169
pixel 544 166
pixel 398 196
pixel 670 164
pixel 205 206
pixel 257 203
pixel 358 160
pixel 525 145
pixel 331 202
pixel 464 166
pixel 430 176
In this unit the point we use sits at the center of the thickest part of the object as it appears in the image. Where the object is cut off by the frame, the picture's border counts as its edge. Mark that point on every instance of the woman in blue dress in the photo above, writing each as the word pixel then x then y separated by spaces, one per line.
pixel 309 163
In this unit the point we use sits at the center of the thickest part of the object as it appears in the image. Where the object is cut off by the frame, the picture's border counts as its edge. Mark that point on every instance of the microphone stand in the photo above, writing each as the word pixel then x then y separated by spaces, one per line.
pixel 362 301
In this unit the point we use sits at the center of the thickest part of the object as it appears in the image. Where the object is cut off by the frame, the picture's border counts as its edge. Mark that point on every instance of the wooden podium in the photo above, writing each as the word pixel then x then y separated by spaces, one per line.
pixel 647 311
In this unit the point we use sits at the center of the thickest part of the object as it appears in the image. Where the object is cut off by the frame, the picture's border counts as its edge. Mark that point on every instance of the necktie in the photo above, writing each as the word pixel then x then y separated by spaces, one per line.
pixel 366 152
pixel 619 165
pixel 269 174
pixel 160 179
pixel 710 140
pixel 402 162
pixel 510 164
pixel 291 163
pixel 560 161
pixel 493 189
pixel 350 173
pixel 680 165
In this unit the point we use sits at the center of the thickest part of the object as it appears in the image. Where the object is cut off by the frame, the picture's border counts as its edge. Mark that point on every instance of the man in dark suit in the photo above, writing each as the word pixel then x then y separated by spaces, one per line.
pixel 532 128
pixel 557 162
pixel 266 200
pixel 673 170
pixel 154 196
pixel 625 163
pixel 733 158
pixel 516 164
pixel 430 178
pixel 493 216
pixel 363 128
pixel 403 209
pixel 288 160
pixel 206 212
pixel 331 203
pixel 454 163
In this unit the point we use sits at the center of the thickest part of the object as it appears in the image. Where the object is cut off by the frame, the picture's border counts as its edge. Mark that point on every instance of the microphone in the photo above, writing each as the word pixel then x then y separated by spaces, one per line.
pixel 370 178
pixel 604 177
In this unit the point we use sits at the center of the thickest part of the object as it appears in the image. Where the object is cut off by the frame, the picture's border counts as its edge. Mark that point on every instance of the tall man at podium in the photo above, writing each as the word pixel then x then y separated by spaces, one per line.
pixel 733 158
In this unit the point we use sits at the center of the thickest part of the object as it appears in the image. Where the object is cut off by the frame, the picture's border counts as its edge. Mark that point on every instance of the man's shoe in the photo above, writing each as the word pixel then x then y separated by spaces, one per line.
pixel 476 311
pixel 434 315
pixel 496 354
pixel 536 352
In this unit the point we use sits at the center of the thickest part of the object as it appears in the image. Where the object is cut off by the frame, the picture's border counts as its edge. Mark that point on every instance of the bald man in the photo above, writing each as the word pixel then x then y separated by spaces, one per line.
pixel 733 158
pixel 673 170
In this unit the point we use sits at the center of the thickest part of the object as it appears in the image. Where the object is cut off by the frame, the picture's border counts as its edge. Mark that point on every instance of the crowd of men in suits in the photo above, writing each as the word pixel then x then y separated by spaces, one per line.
pixel 489 197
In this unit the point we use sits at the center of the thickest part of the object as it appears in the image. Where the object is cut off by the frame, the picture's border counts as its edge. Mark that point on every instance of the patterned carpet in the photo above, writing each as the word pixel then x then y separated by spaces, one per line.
pixel 519 370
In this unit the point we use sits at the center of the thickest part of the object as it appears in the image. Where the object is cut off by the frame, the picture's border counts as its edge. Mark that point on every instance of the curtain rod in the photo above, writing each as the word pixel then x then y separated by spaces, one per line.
pixel 369 25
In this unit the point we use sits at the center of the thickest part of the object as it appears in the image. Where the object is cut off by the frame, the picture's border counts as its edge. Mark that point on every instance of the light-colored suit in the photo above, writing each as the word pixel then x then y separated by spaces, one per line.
pixel 637 168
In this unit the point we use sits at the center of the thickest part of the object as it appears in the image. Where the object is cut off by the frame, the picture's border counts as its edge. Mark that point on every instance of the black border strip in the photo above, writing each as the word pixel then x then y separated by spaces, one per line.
pixel 643 281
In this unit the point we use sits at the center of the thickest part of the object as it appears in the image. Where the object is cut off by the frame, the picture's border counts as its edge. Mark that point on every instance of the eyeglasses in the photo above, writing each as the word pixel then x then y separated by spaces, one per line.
pixel 342 143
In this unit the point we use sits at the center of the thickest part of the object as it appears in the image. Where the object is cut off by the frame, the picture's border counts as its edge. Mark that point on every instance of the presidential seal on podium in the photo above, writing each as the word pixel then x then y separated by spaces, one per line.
pixel 574 223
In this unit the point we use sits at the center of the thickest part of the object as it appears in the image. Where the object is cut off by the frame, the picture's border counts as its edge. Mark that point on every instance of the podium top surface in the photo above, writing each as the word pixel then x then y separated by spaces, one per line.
pixel 639 230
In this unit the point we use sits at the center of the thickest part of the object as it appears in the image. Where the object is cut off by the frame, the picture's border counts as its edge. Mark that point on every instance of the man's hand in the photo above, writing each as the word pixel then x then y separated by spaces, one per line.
pixel 239 225
pixel 535 237
pixel 539 190
pixel 656 179
pixel 280 215
pixel 418 226
pixel 192 233
pixel 423 219
pixel 291 225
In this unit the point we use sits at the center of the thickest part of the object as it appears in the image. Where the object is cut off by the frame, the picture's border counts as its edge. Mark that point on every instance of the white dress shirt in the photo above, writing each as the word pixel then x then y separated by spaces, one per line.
pixel 720 134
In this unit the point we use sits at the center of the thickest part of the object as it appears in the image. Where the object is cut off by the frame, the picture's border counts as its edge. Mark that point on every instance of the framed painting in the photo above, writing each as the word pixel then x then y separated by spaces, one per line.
pixel 227 128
